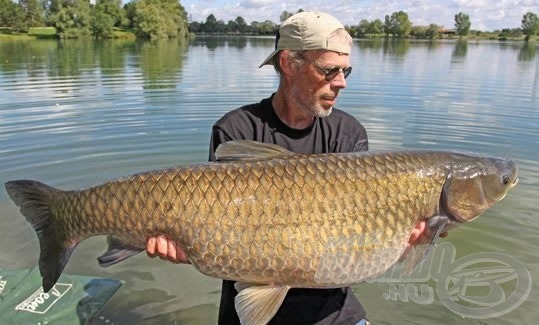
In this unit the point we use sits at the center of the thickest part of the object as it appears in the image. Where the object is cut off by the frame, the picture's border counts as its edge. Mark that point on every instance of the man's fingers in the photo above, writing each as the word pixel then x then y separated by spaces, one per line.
pixel 162 246
pixel 417 232
pixel 181 256
pixel 150 246
pixel 166 249
pixel 171 251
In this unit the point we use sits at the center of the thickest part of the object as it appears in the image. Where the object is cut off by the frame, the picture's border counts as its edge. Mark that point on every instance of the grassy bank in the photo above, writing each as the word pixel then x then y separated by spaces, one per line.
pixel 122 33
pixel 50 33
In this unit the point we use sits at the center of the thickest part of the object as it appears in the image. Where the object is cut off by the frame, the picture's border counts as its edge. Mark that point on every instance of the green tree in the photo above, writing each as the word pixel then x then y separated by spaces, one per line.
pixel 148 22
pixel 388 26
pixel 530 25
pixel 398 24
pixel 266 27
pixel 242 25
pixel 160 19
pixel 419 32
pixel 375 27
pixel 210 26
pixel 112 8
pixel 34 15
pixel 71 18
pixel 220 27
pixel 505 33
pixel 462 24
pixel 195 27
pixel 433 31
pixel 130 13
pixel 285 15
pixel 12 15
pixel 362 27
pixel 231 27
pixel 101 24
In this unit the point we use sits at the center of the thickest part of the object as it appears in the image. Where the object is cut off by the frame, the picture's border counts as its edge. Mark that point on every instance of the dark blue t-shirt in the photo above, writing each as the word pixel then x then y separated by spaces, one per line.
pixel 338 132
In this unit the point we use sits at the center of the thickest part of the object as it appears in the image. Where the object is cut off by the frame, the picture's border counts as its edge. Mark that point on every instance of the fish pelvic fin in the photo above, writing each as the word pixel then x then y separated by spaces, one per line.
pixel 257 304
pixel 425 243
pixel 34 199
pixel 117 251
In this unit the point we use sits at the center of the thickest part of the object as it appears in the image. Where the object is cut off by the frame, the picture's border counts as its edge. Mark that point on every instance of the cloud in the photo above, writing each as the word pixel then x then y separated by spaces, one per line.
pixel 256 4
pixel 484 14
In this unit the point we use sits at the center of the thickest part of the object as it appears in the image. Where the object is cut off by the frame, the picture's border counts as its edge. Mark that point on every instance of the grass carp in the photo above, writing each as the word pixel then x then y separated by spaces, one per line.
pixel 269 218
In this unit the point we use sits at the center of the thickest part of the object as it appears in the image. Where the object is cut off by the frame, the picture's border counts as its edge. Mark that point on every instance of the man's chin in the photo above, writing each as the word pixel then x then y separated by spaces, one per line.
pixel 323 112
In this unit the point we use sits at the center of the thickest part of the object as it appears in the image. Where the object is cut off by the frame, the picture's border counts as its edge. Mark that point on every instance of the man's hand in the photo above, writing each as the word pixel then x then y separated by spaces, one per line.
pixel 166 249
pixel 418 231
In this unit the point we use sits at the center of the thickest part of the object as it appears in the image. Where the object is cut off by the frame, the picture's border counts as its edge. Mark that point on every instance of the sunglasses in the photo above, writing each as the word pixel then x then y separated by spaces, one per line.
pixel 331 73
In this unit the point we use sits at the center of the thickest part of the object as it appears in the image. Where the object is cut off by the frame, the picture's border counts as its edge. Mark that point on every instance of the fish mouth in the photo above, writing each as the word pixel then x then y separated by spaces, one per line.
pixel 515 182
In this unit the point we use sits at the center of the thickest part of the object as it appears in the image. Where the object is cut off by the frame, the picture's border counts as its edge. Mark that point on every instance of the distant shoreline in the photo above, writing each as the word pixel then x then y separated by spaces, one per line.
pixel 50 33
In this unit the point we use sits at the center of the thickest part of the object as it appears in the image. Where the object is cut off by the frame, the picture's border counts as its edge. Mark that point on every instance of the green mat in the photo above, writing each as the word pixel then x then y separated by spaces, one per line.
pixel 73 300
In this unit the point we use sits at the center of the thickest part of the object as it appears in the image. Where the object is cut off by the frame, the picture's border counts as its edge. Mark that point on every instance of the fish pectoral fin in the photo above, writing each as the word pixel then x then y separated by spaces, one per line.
pixel 257 304
pixel 249 150
pixel 117 252
pixel 421 249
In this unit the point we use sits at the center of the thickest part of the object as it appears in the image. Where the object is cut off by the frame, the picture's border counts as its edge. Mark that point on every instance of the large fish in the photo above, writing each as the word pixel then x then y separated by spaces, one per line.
pixel 269 218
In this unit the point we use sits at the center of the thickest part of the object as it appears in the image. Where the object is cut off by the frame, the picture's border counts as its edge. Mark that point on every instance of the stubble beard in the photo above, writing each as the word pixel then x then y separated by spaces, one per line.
pixel 310 104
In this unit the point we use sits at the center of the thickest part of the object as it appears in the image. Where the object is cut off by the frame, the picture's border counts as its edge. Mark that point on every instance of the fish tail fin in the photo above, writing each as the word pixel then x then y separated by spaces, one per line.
pixel 34 199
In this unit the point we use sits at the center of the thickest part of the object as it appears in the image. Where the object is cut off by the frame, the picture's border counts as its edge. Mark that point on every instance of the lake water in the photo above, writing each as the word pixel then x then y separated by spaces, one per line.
pixel 76 113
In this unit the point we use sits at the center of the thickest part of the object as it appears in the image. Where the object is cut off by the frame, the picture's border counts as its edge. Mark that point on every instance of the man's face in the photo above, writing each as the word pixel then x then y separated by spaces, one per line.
pixel 310 89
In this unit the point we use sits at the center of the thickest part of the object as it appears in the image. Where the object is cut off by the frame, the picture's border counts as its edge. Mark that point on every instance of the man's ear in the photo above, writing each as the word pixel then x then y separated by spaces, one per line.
pixel 288 65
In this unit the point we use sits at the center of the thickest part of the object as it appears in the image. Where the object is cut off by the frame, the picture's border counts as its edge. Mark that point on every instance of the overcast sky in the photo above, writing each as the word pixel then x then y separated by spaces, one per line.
pixel 486 15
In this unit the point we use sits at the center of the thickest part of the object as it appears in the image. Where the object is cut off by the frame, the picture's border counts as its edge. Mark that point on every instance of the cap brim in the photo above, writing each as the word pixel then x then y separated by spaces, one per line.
pixel 269 59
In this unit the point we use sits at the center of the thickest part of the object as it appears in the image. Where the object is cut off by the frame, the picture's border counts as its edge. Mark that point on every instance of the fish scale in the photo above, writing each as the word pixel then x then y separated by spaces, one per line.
pixel 269 217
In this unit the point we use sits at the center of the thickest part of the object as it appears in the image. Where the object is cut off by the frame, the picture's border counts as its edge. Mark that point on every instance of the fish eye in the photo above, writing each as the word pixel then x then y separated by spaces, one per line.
pixel 505 179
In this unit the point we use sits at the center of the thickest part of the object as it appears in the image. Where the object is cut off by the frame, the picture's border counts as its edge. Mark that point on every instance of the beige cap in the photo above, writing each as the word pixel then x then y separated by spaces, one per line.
pixel 308 30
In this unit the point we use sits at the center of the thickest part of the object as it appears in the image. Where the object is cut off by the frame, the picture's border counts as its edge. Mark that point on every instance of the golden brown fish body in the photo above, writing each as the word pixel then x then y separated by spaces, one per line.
pixel 268 216
pixel 269 221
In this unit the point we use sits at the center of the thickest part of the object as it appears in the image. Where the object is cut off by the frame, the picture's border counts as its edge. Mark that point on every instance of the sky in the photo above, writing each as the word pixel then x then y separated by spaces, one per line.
pixel 485 15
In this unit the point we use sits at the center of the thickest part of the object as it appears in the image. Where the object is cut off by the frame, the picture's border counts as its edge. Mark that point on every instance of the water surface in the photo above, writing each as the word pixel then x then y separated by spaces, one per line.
pixel 76 113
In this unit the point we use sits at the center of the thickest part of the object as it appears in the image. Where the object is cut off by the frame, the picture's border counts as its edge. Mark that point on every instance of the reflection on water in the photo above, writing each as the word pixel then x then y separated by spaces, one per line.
pixel 460 50
pixel 75 113
pixel 527 52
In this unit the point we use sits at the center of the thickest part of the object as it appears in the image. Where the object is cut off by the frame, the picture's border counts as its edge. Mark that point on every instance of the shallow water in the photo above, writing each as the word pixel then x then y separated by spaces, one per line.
pixel 73 114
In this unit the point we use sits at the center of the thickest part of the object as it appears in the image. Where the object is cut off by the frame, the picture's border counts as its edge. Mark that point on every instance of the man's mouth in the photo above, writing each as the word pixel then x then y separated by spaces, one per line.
pixel 329 98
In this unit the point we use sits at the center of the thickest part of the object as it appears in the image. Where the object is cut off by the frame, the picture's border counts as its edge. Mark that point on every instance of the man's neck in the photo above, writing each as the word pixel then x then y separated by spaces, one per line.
pixel 292 116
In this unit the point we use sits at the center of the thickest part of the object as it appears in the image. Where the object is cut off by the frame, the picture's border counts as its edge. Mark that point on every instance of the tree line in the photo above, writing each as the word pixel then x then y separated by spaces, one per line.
pixel 83 19
pixel 397 25
pixel 168 19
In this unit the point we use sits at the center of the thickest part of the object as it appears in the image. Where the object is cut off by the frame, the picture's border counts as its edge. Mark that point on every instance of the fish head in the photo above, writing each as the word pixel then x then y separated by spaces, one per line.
pixel 474 184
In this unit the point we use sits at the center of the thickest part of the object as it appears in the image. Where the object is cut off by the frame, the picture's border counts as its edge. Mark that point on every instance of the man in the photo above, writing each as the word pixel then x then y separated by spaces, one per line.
pixel 312 60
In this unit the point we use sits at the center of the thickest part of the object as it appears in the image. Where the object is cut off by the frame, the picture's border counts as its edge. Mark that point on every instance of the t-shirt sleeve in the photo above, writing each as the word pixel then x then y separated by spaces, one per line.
pixel 218 136
pixel 351 135
pixel 361 142
pixel 235 125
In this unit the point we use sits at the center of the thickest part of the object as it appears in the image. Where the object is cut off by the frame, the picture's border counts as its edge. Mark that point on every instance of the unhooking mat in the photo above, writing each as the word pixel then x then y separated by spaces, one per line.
pixel 73 300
